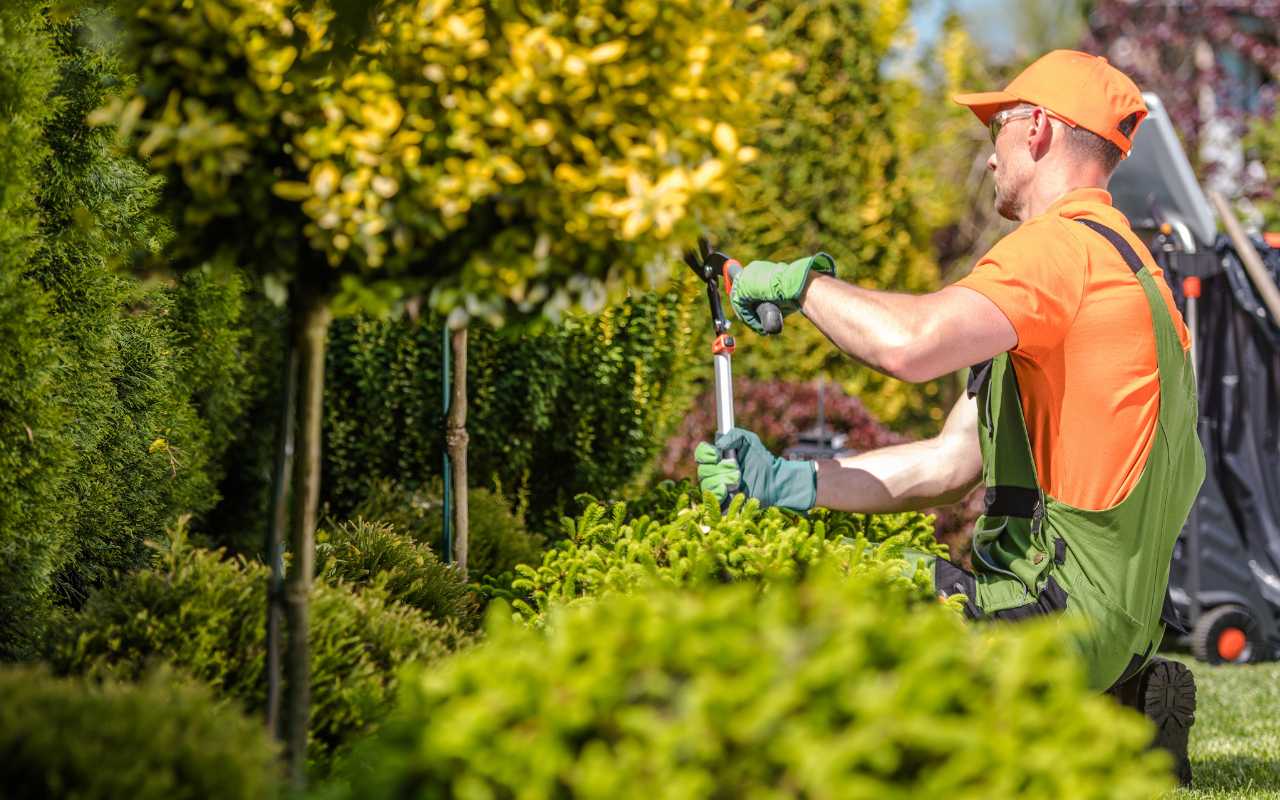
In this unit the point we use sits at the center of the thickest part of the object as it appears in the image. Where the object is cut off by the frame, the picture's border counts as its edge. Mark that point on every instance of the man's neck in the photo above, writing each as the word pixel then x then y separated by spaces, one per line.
pixel 1052 187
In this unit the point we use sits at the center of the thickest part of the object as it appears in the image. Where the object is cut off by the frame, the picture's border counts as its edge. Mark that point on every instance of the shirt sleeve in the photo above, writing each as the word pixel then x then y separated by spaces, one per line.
pixel 1036 277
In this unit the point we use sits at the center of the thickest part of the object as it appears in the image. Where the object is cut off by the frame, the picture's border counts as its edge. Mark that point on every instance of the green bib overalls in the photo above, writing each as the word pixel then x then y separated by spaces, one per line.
pixel 1033 554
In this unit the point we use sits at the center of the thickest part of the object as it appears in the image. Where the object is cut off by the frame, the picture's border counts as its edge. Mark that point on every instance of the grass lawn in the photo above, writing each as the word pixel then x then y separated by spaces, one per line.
pixel 1235 742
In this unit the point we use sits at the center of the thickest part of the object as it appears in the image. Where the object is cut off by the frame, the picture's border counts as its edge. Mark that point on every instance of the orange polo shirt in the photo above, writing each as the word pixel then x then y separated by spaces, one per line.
pixel 1086 354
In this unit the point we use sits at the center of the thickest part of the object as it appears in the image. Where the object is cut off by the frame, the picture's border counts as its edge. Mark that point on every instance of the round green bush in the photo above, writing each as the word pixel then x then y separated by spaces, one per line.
pixel 497 539
pixel 206 615
pixel 364 554
pixel 666 536
pixel 836 687
pixel 165 738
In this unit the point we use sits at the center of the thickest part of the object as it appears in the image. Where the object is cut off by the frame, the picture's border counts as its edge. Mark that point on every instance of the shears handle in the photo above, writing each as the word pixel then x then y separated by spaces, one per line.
pixel 769 314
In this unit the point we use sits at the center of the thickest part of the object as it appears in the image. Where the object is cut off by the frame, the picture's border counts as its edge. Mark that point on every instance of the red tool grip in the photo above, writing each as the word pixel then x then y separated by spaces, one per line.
pixel 730 266
pixel 723 344
pixel 1191 286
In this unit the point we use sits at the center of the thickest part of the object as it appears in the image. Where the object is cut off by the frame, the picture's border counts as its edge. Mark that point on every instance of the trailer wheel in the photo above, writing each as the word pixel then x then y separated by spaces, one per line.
pixel 1225 635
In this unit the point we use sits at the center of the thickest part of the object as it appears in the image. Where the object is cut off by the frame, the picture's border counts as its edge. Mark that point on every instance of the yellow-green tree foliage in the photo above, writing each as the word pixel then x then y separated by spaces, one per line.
pixel 835 174
pixel 511 156
pixel 1263 143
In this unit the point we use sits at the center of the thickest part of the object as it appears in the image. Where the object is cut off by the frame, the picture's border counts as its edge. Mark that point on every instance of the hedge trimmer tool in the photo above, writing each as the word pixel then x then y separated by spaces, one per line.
pixel 711 266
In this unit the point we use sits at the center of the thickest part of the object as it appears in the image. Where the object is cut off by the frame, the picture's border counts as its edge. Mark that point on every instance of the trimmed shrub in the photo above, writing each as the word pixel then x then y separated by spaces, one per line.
pixel 496 537
pixel 164 738
pixel 687 545
pixel 837 687
pixel 206 615
pixel 364 554
pixel 579 408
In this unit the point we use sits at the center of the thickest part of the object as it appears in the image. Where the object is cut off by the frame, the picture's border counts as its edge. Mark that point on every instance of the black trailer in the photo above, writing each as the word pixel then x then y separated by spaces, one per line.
pixel 1225 576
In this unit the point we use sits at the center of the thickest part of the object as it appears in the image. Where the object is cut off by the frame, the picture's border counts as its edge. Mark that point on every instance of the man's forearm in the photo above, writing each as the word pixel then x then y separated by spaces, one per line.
pixel 905 477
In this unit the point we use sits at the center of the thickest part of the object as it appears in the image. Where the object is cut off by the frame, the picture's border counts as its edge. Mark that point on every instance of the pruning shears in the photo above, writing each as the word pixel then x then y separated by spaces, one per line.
pixel 711 266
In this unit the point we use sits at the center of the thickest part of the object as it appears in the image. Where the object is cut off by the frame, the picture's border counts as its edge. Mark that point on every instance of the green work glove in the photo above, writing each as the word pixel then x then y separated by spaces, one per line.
pixel 758 473
pixel 775 282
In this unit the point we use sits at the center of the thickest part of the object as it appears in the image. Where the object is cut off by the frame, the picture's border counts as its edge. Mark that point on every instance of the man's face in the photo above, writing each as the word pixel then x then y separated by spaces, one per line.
pixel 1012 167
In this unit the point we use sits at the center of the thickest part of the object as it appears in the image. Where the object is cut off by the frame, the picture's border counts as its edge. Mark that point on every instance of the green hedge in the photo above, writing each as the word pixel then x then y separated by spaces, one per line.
pixel 840 687
pixel 164 739
pixel 205 615
pixel 666 536
pixel 584 407
pixel 366 554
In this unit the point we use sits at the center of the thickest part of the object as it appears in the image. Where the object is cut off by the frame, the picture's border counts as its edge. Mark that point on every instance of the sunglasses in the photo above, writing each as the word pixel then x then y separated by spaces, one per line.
pixel 1001 118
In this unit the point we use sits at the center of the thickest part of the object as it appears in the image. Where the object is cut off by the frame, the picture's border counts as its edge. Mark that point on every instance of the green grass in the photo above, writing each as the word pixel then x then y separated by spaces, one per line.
pixel 1235 742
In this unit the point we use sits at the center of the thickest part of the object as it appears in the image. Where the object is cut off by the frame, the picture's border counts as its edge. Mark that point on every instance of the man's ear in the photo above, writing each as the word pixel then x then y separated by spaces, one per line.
pixel 1039 134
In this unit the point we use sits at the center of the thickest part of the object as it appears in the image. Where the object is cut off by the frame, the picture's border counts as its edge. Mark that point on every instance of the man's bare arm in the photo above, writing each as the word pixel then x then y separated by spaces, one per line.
pixel 910 476
pixel 911 337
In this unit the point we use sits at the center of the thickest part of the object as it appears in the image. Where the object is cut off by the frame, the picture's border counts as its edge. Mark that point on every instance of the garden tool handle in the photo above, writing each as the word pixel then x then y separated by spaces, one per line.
pixel 770 315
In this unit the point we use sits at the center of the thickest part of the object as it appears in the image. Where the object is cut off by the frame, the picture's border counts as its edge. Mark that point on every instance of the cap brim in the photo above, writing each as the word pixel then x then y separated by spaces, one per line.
pixel 984 104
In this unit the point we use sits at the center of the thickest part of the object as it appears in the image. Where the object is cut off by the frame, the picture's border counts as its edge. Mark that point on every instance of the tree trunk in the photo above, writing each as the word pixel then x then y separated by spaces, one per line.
pixel 311 322
pixel 279 523
pixel 456 439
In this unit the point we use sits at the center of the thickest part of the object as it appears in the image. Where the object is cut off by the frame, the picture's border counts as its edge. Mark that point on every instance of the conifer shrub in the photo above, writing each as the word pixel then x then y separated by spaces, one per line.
pixel 165 738
pixel 364 554
pixel 683 543
pixel 205 615
pixel 839 686
pixel 35 451
pixel 497 537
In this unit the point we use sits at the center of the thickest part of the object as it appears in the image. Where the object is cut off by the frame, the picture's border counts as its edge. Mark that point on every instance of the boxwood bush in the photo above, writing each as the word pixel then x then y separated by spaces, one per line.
pixel 836 687
pixel 365 554
pixel 669 537
pixel 206 615
pixel 497 537
pixel 166 738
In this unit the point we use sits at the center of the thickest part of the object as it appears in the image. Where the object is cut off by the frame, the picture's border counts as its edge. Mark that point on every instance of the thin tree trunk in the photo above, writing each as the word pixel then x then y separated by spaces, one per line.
pixel 456 439
pixel 311 322
pixel 278 524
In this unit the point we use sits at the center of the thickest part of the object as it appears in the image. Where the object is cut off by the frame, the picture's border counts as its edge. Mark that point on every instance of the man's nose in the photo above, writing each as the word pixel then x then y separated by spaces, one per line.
pixel 991 162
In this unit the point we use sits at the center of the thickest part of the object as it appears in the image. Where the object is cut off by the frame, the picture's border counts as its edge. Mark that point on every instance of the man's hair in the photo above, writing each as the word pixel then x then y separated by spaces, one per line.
pixel 1087 144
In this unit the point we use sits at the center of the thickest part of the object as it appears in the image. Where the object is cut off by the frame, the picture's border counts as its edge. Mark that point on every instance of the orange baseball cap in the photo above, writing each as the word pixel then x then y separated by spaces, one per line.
pixel 1083 89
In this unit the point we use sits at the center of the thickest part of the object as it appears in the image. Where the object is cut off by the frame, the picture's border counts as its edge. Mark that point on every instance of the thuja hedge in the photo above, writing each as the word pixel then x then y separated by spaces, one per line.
pixel 836 687
pixel 115 393
pixel 164 738
pixel 684 543
pixel 205 614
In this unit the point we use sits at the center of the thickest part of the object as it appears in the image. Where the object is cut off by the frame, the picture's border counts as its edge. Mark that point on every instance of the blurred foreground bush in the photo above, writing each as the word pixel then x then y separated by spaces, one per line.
pixel 206 616
pixel 839 687
pixel 166 738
